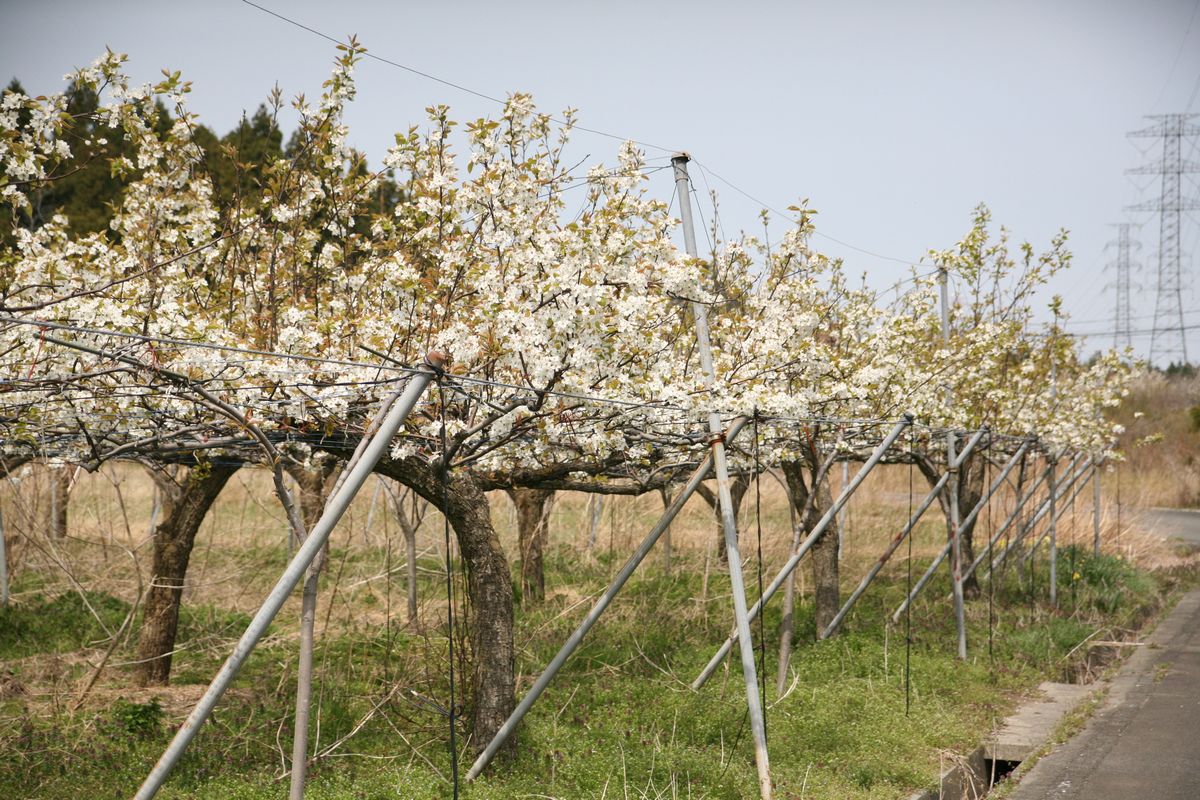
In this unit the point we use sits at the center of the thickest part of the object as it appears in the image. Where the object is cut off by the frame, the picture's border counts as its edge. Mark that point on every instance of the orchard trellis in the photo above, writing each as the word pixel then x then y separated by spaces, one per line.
pixel 585 347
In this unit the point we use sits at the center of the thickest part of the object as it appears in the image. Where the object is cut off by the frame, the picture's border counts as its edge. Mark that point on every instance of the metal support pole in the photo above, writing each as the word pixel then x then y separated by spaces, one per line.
pixel 1053 483
pixel 1015 516
pixel 308 616
pixel 1040 512
pixel 334 509
pixel 996 484
pixel 897 540
pixel 804 547
pixel 576 637
pixel 758 728
pixel 960 614
pixel 844 517
pixel 1021 500
pixel 1069 489
pixel 3 565
pixel 1054 487
pixel 1095 509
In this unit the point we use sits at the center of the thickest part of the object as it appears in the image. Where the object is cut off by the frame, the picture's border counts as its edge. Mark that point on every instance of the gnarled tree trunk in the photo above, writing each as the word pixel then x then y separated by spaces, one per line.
pixel 489 585
pixel 533 512
pixel 184 505
pixel 824 553
pixel 970 492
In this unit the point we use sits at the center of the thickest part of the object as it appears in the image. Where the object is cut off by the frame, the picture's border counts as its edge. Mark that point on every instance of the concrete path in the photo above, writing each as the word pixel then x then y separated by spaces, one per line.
pixel 1145 740
pixel 1171 523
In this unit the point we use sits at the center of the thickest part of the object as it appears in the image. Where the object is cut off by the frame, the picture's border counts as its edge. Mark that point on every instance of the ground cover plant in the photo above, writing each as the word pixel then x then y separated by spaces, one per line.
pixel 620 721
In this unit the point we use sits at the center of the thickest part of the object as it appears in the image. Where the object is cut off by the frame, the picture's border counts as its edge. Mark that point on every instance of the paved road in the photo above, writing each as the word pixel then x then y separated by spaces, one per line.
pixel 1144 743
pixel 1176 523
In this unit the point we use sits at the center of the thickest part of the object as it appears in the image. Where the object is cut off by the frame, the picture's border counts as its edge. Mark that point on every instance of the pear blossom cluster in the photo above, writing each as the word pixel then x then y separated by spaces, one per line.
pixel 560 295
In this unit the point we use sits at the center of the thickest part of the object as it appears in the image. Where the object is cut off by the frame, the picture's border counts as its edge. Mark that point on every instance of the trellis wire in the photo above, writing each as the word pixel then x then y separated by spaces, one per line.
pixel 395 366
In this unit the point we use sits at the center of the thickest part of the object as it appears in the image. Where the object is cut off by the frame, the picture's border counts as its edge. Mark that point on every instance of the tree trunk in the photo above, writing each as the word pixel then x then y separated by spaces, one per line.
pixel 970 492
pixel 823 554
pixel 60 495
pixel 533 511
pixel 489 585
pixel 184 505
pixel 410 522
pixel 737 491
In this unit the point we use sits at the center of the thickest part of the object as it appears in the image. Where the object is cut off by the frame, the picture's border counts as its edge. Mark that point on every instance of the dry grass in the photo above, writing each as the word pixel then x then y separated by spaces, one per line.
pixel 241 549
pixel 1162 442
pixel 241 546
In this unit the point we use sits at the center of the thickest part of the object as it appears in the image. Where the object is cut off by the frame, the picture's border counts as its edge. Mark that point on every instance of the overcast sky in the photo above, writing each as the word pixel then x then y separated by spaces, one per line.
pixel 894 118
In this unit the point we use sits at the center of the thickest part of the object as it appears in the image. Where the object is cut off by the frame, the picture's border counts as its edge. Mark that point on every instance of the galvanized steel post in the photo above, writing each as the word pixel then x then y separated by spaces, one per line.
pixel 334 509
pixel 1029 525
pixel 804 547
pixel 728 521
pixel 3 565
pixel 576 637
pixel 929 572
pixel 1053 483
pixel 960 618
pixel 896 542
pixel 1070 489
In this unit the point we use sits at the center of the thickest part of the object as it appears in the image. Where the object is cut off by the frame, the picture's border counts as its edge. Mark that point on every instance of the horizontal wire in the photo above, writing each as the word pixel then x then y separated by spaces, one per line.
pixel 396 367
pixel 445 82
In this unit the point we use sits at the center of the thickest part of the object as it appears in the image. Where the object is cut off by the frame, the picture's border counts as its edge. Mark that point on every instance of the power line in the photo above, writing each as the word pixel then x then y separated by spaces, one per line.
pixel 769 207
pixel 445 82
pixel 1178 55
pixel 493 99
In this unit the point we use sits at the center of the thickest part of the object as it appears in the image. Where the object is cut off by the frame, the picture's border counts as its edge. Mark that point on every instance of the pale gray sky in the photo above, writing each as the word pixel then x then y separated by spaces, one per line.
pixel 894 118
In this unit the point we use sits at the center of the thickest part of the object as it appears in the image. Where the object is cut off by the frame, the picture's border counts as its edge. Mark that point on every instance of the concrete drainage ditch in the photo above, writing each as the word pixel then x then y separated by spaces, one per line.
pixel 1022 734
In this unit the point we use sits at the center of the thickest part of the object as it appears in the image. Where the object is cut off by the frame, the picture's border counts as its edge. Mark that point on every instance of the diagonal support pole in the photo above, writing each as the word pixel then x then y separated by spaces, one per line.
pixel 334 509
pixel 576 638
pixel 1039 512
pixel 1018 508
pixel 897 540
pixel 929 572
pixel 805 546
pixel 1070 490
pixel 1096 509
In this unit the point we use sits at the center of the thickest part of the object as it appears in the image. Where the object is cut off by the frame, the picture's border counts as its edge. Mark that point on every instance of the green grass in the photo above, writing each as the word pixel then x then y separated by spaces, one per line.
pixel 619 721
pixel 59 624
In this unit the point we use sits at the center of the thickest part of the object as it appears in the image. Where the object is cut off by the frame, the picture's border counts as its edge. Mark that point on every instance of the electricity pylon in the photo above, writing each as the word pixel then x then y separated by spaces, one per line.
pixel 1168 337
pixel 1124 265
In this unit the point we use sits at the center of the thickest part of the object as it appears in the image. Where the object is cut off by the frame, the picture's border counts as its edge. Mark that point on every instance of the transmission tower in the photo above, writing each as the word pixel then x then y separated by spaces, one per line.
pixel 1124 265
pixel 1168 337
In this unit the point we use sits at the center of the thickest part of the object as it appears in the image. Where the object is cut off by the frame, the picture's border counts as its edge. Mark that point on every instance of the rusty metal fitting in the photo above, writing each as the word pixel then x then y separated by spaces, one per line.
pixel 437 361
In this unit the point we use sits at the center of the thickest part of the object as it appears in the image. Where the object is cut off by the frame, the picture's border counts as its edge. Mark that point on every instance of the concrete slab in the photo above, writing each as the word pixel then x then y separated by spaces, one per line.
pixel 1145 740
pixel 1031 726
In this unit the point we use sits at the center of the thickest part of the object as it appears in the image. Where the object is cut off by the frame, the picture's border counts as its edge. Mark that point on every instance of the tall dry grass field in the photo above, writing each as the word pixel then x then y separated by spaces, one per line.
pixel 1161 442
